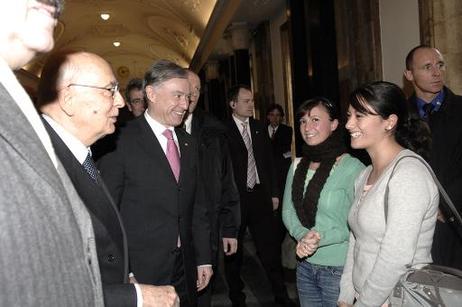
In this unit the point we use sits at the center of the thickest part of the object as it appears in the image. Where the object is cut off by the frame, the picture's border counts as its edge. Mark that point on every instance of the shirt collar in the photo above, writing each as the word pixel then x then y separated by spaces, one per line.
pixel 157 127
pixel 436 102
pixel 188 123
pixel 78 149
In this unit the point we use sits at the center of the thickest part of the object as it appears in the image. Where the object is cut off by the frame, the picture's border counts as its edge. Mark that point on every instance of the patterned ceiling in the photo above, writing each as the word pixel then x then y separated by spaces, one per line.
pixel 183 31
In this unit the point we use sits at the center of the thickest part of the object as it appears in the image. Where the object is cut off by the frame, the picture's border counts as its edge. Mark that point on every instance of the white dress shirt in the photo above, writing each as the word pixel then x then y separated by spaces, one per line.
pixel 188 123
pixel 158 129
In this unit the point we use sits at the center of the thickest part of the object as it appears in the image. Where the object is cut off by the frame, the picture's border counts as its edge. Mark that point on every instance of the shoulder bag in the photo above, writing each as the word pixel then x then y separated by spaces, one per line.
pixel 432 285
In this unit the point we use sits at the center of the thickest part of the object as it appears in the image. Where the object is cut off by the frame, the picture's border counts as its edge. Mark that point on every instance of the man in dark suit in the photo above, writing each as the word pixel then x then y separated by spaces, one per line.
pixel 221 193
pixel 135 97
pixel 441 108
pixel 79 109
pixel 253 171
pixel 154 179
pixel 281 141
pixel 48 255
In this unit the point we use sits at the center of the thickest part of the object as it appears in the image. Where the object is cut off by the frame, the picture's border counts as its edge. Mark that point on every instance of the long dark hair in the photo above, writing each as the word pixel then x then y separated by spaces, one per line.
pixel 385 99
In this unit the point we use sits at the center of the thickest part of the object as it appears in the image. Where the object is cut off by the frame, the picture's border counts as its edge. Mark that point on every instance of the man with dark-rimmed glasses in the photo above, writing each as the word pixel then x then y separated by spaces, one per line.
pixel 78 109
pixel 134 94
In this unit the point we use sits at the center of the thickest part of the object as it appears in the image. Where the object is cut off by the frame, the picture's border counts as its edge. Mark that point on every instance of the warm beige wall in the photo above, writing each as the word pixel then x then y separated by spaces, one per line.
pixel 399 23
pixel 447 32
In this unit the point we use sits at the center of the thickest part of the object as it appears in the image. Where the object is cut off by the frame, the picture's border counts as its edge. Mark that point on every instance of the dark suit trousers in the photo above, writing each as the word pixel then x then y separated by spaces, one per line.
pixel 256 215
pixel 178 279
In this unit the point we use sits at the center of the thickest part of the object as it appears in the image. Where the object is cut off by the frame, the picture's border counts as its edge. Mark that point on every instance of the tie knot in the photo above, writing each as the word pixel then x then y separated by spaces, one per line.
pixel 168 134
pixel 428 108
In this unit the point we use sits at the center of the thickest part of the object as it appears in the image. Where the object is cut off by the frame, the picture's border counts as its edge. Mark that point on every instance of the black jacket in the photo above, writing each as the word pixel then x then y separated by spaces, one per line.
pixel 217 174
pixel 446 161
pixel 281 143
pixel 111 245
pixel 155 208
pixel 263 158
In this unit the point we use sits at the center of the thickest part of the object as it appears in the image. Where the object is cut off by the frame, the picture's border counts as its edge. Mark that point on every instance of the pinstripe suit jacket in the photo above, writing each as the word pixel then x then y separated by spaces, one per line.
pixel 48 254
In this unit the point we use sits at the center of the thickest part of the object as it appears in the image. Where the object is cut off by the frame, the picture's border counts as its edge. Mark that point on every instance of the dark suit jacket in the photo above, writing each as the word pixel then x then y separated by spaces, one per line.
pixel 263 158
pixel 111 243
pixel 281 143
pixel 216 168
pixel 446 161
pixel 155 208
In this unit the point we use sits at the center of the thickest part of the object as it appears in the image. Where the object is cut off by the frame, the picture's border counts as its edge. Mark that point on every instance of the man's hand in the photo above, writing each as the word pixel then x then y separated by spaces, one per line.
pixel 275 202
pixel 308 244
pixel 159 296
pixel 204 273
pixel 229 246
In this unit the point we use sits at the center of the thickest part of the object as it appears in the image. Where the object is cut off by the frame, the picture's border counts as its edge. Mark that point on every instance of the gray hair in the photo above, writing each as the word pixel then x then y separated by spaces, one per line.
pixel 163 70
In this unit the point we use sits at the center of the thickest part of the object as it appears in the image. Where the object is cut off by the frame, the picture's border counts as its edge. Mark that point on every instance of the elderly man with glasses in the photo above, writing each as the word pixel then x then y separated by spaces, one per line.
pixel 78 109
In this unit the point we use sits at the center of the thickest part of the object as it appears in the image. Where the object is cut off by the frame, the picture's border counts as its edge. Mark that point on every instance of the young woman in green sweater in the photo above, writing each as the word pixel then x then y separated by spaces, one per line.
pixel 317 199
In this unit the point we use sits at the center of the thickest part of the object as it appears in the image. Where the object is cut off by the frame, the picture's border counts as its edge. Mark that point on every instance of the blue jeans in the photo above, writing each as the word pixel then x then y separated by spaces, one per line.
pixel 318 285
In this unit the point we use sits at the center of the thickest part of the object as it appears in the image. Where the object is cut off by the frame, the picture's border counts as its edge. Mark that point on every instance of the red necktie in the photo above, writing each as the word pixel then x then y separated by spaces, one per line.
pixel 172 154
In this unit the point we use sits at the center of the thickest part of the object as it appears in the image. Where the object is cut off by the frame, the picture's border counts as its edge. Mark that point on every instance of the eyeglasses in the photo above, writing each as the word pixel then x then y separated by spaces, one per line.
pixel 113 89
pixel 137 101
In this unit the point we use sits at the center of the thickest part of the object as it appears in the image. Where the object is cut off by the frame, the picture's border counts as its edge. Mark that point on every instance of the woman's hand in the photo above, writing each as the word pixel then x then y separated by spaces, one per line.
pixel 343 304
pixel 308 244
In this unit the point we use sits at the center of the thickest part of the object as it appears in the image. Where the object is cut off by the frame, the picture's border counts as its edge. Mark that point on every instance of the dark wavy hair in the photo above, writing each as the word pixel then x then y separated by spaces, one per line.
pixel 385 99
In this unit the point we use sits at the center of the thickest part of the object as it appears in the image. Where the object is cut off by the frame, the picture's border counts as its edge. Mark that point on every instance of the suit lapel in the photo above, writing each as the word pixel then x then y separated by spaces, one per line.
pixel 149 143
pixel 105 209
pixel 255 132
pixel 196 125
pixel 84 185
pixel 17 130
pixel 236 134
pixel 185 154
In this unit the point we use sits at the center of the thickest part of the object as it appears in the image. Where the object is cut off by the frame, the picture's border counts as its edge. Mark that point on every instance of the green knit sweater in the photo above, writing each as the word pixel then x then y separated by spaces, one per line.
pixel 333 206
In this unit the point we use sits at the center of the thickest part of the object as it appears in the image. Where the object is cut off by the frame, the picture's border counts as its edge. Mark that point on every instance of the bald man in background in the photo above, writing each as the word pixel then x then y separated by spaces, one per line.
pixel 216 169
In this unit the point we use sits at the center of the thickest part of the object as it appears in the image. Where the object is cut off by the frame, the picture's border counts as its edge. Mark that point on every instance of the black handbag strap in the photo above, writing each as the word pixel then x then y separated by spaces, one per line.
pixel 442 191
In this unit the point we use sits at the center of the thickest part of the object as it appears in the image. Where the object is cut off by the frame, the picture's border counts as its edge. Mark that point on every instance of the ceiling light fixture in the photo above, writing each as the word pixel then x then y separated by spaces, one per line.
pixel 105 16
pixel 116 44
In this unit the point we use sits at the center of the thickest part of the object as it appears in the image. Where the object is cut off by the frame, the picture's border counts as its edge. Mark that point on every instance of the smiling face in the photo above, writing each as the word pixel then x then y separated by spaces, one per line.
pixel 27 29
pixel 169 101
pixel 367 130
pixel 316 125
